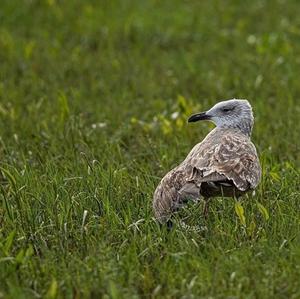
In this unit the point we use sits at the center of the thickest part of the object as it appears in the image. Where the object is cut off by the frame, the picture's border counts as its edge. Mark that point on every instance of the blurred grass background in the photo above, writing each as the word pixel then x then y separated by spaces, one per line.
pixel 94 97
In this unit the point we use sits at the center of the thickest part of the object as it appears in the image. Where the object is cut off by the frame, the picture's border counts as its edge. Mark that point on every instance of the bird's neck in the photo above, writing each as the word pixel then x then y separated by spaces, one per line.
pixel 245 127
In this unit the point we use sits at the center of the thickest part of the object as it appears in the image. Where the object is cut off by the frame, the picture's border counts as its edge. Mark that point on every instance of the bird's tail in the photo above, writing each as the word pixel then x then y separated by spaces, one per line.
pixel 163 203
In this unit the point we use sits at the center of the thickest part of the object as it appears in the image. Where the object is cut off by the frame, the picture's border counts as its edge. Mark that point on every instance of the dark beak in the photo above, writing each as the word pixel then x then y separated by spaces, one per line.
pixel 198 116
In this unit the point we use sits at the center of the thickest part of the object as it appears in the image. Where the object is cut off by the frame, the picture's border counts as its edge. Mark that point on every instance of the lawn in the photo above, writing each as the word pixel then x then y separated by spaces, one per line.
pixel 94 97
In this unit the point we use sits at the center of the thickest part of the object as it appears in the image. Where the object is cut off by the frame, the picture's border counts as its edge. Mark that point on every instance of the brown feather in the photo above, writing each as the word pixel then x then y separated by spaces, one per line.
pixel 225 155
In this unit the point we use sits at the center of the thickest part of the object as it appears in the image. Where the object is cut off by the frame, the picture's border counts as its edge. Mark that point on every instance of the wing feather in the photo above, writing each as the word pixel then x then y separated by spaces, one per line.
pixel 224 154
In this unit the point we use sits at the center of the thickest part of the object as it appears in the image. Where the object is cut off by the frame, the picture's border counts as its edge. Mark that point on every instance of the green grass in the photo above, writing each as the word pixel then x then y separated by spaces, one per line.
pixel 75 205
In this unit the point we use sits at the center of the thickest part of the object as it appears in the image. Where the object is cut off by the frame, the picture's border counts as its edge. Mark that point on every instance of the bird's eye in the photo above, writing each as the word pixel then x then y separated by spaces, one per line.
pixel 226 109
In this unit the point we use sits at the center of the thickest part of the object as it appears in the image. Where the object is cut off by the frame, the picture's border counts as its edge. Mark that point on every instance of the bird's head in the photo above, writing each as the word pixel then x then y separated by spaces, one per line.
pixel 229 114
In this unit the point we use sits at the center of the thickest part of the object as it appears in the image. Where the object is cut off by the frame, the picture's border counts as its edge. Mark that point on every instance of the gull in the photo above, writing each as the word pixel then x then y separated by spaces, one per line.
pixel 224 164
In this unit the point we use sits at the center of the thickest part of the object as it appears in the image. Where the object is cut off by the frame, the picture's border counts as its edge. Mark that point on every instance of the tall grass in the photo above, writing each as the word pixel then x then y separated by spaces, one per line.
pixel 94 97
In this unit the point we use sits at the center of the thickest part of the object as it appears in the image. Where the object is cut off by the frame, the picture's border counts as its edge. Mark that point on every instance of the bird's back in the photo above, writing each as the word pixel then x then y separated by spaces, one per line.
pixel 225 155
pixel 224 152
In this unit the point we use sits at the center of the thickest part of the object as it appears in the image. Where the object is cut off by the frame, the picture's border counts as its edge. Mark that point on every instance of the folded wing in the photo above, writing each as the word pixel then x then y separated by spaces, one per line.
pixel 224 154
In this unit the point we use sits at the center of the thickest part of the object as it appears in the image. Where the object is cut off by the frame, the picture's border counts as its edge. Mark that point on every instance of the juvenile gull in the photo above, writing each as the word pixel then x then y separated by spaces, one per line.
pixel 224 164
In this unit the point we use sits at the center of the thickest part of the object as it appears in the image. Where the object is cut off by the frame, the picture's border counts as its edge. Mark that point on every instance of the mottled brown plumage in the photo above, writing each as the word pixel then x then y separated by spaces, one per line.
pixel 224 164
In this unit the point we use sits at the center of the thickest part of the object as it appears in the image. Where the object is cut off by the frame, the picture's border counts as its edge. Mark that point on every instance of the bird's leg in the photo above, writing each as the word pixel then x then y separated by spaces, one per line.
pixel 206 207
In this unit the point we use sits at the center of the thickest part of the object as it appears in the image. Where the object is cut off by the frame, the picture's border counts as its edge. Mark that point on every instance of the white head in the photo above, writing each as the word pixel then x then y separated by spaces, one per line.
pixel 234 113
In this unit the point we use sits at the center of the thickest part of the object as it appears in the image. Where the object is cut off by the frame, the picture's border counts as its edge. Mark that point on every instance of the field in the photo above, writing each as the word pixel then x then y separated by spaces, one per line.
pixel 94 98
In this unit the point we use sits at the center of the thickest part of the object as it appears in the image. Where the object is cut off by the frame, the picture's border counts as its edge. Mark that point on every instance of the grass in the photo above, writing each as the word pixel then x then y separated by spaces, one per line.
pixel 94 97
